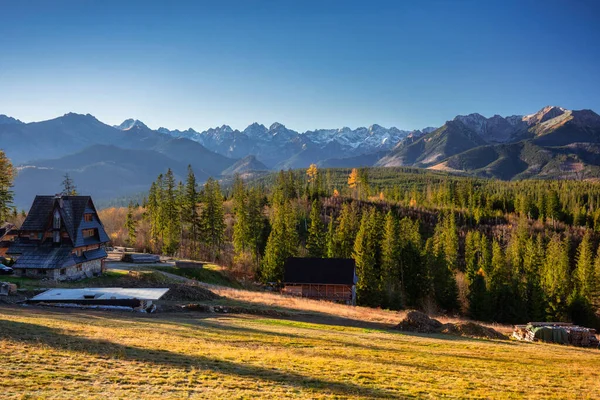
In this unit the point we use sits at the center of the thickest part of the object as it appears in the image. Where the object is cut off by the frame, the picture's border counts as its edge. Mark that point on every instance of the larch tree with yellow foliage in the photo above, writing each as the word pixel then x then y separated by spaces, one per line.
pixel 354 181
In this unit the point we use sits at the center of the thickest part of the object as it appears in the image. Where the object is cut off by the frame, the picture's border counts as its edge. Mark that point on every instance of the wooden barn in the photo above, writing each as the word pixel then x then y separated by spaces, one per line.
pixel 332 279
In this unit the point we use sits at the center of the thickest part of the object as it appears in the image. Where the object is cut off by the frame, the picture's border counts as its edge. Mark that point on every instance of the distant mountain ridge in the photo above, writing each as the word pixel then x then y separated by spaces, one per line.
pixel 553 142
pixel 276 144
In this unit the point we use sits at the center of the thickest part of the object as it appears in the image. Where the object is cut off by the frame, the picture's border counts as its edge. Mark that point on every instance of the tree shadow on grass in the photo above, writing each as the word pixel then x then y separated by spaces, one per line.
pixel 34 334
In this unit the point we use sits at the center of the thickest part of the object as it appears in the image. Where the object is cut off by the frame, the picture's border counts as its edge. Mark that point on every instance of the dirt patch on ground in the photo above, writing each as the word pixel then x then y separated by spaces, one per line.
pixel 234 310
pixel 188 292
pixel 471 329
pixel 416 321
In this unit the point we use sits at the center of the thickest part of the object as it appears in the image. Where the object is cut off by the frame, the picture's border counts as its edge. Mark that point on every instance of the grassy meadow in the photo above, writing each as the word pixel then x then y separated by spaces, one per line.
pixel 49 353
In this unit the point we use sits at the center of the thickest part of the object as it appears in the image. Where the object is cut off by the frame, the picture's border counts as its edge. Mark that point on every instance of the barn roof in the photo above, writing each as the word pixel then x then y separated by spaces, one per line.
pixel 330 271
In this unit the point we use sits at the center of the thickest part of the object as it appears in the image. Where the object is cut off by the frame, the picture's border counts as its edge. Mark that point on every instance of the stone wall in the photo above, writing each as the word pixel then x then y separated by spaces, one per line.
pixel 76 272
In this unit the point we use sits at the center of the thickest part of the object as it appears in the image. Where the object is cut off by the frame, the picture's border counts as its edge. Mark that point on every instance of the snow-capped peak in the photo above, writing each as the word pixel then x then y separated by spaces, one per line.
pixel 130 123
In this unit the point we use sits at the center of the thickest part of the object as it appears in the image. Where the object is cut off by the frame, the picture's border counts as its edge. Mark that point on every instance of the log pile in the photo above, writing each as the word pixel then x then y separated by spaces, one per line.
pixel 575 335
pixel 140 258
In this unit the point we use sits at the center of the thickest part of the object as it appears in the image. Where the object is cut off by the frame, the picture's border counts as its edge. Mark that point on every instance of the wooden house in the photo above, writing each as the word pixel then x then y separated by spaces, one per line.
pixel 7 235
pixel 332 279
pixel 62 238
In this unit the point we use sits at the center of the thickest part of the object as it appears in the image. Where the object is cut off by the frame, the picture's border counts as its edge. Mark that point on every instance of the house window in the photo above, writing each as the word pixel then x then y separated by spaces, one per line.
pixel 88 233
pixel 56 224
pixel 63 271
pixel 41 271
pixel 56 237
pixel 79 268
pixel 88 217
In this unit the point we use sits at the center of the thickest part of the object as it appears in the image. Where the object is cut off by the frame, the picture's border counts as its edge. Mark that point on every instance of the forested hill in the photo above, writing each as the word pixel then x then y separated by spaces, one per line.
pixel 493 250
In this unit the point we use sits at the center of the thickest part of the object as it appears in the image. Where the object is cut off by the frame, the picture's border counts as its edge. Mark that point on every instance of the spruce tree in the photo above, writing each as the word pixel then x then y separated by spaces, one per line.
pixel 316 242
pixel 391 267
pixel 346 231
pixel 130 225
pixel 69 188
pixel 7 174
pixel 281 244
pixel 365 256
pixel 170 215
pixel 584 274
pixel 191 217
pixel 212 217
pixel 555 274
pixel 330 237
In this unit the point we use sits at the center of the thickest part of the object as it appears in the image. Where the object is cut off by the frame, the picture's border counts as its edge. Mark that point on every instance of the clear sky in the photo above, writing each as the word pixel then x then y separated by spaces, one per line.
pixel 306 64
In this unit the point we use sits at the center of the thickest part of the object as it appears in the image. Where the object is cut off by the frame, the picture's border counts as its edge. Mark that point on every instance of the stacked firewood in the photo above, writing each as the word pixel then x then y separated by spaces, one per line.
pixel 583 337
pixel 577 335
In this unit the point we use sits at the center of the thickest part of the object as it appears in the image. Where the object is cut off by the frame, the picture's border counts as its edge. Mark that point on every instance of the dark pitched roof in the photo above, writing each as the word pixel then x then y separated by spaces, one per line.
pixel 72 209
pixel 47 256
pixel 331 271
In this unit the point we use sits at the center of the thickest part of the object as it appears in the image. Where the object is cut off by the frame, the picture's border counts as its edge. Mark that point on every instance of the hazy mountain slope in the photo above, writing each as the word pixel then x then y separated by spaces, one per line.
pixel 245 165
pixel 102 171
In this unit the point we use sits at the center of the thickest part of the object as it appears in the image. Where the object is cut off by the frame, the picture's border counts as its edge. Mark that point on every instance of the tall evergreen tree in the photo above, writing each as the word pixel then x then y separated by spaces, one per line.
pixel 391 267
pixel 584 274
pixel 316 242
pixel 212 217
pixel 69 188
pixel 170 215
pixel 7 174
pixel 281 244
pixel 555 274
pixel 365 255
pixel 131 225
pixel 346 231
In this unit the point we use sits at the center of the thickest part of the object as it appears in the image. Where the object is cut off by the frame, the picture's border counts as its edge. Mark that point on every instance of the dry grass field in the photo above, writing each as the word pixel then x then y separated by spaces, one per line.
pixel 52 353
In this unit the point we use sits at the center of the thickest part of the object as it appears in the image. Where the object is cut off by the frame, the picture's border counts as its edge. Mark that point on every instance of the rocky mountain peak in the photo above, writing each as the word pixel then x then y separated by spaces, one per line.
pixel 544 115
pixel 130 123
pixel 6 120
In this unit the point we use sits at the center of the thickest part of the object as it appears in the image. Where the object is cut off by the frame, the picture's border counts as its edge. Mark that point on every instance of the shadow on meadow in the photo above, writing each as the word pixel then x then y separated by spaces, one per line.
pixel 40 335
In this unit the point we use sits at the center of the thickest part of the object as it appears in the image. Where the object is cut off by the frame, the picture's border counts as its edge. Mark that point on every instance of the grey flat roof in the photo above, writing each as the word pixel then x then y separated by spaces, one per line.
pixel 101 294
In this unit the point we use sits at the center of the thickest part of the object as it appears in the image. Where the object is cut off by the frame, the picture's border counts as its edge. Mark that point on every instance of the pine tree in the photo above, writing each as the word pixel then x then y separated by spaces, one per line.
pixel 170 215
pixel 212 218
pixel 241 227
pixel 7 174
pixel 330 238
pixel 281 244
pixel 391 271
pixel 191 218
pixel 555 275
pixel 316 242
pixel 152 213
pixel 365 255
pixel 130 225
pixel 69 188
pixel 584 274
pixel 346 231
pixel 415 278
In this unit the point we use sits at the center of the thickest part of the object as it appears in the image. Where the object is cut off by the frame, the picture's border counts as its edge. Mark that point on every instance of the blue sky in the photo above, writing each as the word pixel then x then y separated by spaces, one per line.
pixel 306 64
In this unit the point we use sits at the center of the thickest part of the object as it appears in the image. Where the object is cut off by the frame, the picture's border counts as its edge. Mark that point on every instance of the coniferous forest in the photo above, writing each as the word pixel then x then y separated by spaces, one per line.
pixel 493 250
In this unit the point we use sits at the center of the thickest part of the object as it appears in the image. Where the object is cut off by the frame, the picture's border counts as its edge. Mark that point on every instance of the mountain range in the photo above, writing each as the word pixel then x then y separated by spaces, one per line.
pixel 110 161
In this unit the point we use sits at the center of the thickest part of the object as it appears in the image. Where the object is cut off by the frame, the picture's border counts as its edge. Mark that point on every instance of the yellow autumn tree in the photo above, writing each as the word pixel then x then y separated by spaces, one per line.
pixel 354 180
pixel 312 172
